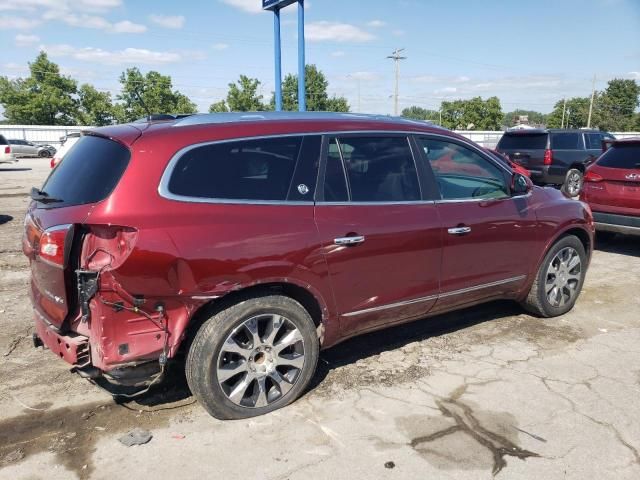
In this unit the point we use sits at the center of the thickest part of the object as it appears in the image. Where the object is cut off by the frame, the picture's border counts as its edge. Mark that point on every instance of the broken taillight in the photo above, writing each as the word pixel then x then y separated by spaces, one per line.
pixel 51 247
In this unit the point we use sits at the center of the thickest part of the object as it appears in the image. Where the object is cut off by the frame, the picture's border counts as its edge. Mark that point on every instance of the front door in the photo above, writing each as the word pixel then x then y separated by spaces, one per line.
pixel 380 239
pixel 487 233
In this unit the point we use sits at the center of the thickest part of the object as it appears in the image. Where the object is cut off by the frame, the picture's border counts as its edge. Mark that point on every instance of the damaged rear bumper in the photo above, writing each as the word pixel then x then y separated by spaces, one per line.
pixel 72 348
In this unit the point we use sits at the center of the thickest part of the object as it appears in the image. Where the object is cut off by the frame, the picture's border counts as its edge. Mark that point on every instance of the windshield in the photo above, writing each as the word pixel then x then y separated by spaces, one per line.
pixel 621 156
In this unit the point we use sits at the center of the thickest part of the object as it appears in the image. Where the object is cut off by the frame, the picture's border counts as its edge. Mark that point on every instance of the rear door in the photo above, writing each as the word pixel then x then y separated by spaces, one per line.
pixel 380 236
pixel 593 145
pixel 568 149
pixel 487 234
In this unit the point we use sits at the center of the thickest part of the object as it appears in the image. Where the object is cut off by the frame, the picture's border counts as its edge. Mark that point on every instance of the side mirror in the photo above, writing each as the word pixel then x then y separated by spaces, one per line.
pixel 520 185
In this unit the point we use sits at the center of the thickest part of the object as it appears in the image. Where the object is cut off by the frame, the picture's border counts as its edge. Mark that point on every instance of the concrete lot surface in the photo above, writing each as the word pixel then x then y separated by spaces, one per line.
pixel 485 392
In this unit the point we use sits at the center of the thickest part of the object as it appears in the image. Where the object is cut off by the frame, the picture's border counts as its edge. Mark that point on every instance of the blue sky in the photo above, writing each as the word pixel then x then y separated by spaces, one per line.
pixel 528 53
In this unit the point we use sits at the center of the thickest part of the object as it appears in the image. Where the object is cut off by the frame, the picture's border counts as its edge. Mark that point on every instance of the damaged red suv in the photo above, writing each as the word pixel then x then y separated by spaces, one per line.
pixel 248 242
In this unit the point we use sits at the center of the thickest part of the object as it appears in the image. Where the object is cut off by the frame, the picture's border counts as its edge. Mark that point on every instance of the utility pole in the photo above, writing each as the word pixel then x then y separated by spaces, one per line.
pixel 396 57
pixel 564 109
pixel 593 94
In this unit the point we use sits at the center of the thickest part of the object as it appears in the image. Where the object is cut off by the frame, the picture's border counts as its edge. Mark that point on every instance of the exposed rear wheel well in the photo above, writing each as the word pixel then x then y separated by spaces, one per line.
pixel 206 311
pixel 578 166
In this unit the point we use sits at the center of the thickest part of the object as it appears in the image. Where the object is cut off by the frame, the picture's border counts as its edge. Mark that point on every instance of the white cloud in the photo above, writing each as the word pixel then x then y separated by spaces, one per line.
pixel 338 53
pixel 60 5
pixel 336 32
pixel 634 75
pixel 376 23
pixel 220 46
pixel 364 76
pixel 94 21
pixel 447 90
pixel 249 6
pixel 26 40
pixel 9 22
pixel 137 56
pixel 168 21
pixel 127 27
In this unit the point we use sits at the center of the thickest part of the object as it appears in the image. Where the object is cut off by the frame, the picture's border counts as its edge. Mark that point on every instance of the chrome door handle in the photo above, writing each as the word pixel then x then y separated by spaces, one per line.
pixel 349 240
pixel 459 230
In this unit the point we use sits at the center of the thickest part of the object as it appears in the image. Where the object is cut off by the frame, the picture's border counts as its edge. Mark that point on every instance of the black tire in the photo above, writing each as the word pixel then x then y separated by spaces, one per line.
pixel 44 154
pixel 204 354
pixel 573 183
pixel 537 301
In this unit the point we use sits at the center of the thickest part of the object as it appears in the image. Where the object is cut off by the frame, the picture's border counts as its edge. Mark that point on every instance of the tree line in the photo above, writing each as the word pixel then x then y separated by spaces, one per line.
pixel 614 109
pixel 47 97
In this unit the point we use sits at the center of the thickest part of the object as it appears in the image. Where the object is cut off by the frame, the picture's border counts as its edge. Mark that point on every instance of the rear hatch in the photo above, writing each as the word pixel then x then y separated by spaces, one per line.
pixel 526 148
pixel 614 180
pixel 54 222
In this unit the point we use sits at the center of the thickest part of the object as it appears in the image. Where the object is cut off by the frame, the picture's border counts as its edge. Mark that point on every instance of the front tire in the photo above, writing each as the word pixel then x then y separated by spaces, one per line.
pixel 252 358
pixel 559 279
pixel 573 182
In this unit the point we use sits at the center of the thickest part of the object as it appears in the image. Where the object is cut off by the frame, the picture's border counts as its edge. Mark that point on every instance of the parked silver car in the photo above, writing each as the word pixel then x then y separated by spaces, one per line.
pixel 25 148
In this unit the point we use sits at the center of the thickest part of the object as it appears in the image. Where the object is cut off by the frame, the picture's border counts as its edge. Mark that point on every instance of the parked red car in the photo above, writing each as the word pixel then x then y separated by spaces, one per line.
pixel 248 242
pixel 612 188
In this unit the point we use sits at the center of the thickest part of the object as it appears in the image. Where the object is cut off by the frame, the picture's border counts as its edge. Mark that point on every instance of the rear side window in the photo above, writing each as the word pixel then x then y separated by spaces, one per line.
pixel 522 141
pixel 3 141
pixel 621 156
pixel 566 141
pixel 378 169
pixel 89 172
pixel 593 141
pixel 260 169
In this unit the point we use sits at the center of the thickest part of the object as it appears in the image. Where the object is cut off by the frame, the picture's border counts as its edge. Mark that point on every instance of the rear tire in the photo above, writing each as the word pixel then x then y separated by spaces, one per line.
pixel 559 279
pixel 573 183
pixel 252 358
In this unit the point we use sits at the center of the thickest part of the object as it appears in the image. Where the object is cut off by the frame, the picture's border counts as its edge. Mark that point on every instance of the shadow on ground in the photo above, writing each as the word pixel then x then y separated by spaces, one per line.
pixel 15 169
pixel 620 244
pixel 5 219
pixel 175 388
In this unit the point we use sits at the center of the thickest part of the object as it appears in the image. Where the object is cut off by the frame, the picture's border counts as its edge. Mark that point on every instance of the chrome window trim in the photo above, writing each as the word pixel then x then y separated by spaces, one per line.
pixel 364 204
pixel 434 297
pixel 163 186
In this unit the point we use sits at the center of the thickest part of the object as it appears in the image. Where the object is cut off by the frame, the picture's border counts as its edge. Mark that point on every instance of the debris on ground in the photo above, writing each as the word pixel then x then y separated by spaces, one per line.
pixel 389 465
pixel 137 436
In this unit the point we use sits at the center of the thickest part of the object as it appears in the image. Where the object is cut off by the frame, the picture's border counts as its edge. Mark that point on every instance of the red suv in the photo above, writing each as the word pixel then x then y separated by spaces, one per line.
pixel 248 242
pixel 612 188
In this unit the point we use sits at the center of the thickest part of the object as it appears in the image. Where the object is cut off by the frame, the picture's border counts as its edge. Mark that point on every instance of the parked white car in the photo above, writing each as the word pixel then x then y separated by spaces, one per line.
pixel 6 151
pixel 67 142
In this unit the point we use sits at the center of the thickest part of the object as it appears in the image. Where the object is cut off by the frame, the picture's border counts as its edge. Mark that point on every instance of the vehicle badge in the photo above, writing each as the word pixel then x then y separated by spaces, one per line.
pixel 303 189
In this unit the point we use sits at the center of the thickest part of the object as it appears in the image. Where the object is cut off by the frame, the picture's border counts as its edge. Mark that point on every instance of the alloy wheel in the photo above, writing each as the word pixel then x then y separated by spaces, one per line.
pixel 261 360
pixel 563 277
pixel 574 183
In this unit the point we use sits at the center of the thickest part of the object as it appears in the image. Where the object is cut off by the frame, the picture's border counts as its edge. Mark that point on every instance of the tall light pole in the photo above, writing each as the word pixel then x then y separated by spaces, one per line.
pixel 396 57
pixel 593 94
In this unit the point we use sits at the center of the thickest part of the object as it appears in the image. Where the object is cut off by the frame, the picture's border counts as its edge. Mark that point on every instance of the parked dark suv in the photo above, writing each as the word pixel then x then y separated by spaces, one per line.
pixel 248 242
pixel 553 156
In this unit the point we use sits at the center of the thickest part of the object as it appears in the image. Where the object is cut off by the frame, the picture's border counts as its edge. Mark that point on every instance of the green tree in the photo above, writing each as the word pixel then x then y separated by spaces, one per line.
pixel 317 98
pixel 575 116
pixel 419 113
pixel 156 92
pixel 243 95
pixel 44 98
pixel 95 108
pixel 472 114
pixel 535 118
pixel 218 107
pixel 616 105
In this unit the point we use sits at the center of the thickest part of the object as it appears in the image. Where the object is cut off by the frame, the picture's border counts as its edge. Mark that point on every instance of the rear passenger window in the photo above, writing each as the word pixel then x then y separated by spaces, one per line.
pixel 621 156
pixel 259 169
pixel 378 169
pixel 593 141
pixel 566 141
